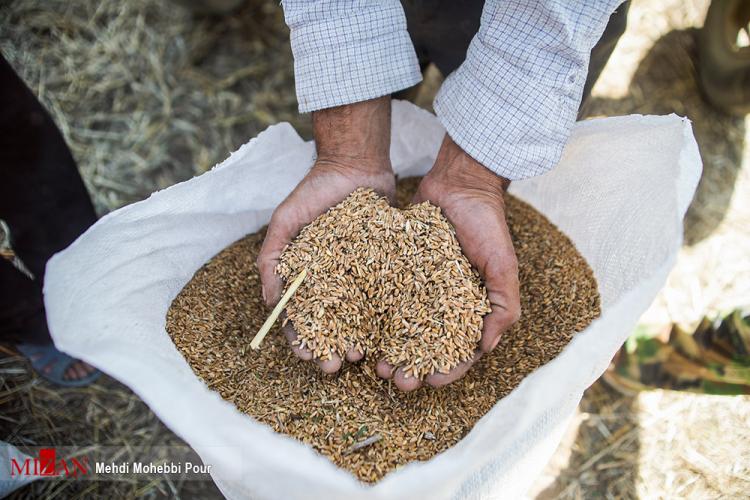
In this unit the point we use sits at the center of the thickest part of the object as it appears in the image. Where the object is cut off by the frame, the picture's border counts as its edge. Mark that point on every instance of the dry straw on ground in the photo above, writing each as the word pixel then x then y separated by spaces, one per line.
pixel 386 282
pixel 217 313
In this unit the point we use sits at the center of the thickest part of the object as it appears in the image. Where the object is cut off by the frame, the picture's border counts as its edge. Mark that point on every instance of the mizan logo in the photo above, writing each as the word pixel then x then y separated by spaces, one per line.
pixel 48 465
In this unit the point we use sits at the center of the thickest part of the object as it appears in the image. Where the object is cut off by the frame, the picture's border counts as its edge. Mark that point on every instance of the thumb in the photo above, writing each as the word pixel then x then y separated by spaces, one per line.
pixel 280 232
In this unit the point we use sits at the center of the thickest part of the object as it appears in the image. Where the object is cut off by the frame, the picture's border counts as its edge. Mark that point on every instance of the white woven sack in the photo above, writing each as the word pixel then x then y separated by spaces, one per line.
pixel 620 193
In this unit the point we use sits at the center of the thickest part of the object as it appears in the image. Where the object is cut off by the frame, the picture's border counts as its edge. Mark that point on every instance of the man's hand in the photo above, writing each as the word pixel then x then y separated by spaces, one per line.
pixel 471 197
pixel 353 146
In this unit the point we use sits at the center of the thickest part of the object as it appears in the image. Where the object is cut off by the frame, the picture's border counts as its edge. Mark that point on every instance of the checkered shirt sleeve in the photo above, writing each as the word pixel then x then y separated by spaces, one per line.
pixel 512 103
pixel 349 51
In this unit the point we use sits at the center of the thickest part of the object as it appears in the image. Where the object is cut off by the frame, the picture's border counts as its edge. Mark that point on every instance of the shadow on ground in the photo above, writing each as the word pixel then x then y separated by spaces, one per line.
pixel 604 447
pixel 666 82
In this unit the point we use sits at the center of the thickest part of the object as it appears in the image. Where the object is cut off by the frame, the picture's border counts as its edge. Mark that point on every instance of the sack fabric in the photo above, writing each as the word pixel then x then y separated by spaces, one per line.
pixel 619 192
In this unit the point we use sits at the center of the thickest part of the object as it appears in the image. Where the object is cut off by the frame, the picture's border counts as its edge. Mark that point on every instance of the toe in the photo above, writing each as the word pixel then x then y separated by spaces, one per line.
pixel 80 367
pixel 78 370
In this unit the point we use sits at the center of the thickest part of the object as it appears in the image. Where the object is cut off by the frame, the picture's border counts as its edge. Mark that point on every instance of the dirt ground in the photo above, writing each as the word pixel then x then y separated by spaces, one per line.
pixel 148 95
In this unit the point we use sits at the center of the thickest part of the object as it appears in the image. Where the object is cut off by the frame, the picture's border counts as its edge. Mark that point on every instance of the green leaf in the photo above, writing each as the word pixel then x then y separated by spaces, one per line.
pixel 648 348
pixel 719 389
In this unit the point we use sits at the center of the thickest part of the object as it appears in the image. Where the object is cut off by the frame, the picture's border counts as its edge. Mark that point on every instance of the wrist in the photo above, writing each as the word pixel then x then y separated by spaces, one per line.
pixel 358 134
pixel 456 168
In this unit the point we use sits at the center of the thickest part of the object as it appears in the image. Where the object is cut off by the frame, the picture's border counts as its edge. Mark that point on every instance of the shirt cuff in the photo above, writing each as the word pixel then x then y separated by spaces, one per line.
pixel 351 56
pixel 516 127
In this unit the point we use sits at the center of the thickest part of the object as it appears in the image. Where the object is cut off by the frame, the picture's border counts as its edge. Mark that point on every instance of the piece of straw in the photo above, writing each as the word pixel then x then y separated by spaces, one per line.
pixel 255 344
pixel 363 444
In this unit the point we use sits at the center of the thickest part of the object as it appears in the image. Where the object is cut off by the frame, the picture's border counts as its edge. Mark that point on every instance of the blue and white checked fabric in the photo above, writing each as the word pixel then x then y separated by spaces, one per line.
pixel 349 51
pixel 510 105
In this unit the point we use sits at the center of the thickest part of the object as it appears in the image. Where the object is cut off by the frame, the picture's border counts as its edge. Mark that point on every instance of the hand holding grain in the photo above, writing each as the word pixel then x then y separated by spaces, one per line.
pixel 353 146
pixel 471 198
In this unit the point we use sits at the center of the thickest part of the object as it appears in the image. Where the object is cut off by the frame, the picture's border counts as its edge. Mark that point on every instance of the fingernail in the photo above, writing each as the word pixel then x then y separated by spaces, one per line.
pixel 494 344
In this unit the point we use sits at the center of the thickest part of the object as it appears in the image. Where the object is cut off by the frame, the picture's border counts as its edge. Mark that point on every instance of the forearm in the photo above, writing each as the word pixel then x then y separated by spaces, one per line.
pixel 359 132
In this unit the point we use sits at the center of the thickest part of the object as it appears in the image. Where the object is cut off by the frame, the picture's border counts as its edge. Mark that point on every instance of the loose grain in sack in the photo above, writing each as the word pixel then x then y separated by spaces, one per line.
pixel 214 317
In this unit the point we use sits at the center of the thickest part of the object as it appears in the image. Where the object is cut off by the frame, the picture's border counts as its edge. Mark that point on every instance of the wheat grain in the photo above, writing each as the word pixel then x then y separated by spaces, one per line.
pixel 213 318
pixel 391 283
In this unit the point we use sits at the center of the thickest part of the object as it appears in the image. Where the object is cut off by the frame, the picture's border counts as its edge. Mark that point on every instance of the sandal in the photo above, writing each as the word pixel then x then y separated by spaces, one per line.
pixel 43 355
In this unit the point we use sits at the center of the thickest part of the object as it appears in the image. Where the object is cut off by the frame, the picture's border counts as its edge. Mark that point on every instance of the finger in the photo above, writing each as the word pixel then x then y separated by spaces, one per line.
pixel 494 258
pixel 418 197
pixel 301 352
pixel 384 370
pixel 330 365
pixel 354 355
pixel 500 274
pixel 494 325
pixel 406 382
pixel 282 228
pixel 327 366
pixel 441 379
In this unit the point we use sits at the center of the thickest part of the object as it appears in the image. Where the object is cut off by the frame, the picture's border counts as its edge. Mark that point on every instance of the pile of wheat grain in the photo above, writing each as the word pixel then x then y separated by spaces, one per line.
pixel 358 420
pixel 390 283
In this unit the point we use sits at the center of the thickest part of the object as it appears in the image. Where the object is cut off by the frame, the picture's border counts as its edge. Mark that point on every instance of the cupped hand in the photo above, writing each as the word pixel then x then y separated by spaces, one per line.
pixel 352 144
pixel 471 197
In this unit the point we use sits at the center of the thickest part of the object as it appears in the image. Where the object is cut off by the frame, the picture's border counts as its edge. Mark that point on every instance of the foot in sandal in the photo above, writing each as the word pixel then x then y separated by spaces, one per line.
pixel 58 367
